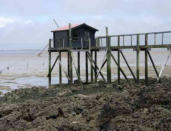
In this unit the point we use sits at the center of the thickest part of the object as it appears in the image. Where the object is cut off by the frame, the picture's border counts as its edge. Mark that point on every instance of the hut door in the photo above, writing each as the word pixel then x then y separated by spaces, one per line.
pixel 86 39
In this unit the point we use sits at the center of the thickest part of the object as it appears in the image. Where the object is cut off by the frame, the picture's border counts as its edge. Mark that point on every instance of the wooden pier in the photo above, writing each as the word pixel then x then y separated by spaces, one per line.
pixel 140 42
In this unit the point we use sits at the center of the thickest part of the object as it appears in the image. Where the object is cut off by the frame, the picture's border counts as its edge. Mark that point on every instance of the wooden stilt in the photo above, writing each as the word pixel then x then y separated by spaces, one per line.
pixel 92 74
pixel 78 60
pixel 138 60
pixel 108 57
pixel 86 59
pixel 49 74
pixel 95 58
pixel 146 59
pixel 60 68
pixel 119 75
pixel 70 56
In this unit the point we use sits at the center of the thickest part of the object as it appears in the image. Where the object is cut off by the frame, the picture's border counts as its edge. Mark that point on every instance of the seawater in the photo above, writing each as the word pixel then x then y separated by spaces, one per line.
pixel 24 68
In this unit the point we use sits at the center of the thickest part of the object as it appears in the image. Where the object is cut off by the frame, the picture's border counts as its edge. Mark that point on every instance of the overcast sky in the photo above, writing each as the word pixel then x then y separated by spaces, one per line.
pixel 26 24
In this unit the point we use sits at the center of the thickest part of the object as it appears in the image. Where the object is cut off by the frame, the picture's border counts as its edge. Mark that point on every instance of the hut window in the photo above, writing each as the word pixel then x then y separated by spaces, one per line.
pixel 75 36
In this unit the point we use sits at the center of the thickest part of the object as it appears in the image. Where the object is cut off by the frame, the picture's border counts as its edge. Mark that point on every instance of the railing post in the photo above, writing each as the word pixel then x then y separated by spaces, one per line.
pixel 108 56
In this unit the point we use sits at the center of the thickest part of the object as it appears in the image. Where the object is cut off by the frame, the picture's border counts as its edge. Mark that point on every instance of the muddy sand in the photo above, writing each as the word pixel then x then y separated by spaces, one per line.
pixel 89 107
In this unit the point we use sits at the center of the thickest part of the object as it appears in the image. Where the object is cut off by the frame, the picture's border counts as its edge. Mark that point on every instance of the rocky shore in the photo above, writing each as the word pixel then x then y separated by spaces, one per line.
pixel 89 107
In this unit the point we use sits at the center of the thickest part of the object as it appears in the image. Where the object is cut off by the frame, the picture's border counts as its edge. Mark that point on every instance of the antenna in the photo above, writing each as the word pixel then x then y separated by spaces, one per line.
pixel 56 23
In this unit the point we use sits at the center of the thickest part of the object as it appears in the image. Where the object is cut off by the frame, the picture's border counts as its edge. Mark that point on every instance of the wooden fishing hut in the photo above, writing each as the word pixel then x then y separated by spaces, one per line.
pixel 81 38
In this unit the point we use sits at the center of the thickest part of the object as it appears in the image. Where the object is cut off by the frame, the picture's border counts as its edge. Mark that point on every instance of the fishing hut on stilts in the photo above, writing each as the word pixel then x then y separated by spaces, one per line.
pixel 81 38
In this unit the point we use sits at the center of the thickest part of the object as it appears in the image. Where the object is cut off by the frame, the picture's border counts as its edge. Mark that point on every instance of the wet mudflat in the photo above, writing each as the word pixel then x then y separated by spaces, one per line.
pixel 89 107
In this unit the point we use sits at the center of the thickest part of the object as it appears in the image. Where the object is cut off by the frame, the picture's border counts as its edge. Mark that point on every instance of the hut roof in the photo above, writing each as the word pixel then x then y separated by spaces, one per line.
pixel 65 28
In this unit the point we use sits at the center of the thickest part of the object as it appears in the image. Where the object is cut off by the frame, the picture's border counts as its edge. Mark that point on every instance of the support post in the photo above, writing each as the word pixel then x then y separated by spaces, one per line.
pixel 108 57
pixel 146 59
pixel 95 58
pixel 78 60
pixel 60 68
pixel 49 74
pixel 70 55
pixel 92 74
pixel 119 74
pixel 138 60
pixel 86 59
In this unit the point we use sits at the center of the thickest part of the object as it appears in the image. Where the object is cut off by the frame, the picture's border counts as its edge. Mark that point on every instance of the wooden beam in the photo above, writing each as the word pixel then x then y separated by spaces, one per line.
pixel 155 69
pixel 119 67
pixel 95 66
pixel 54 64
pixel 128 65
pixel 102 67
